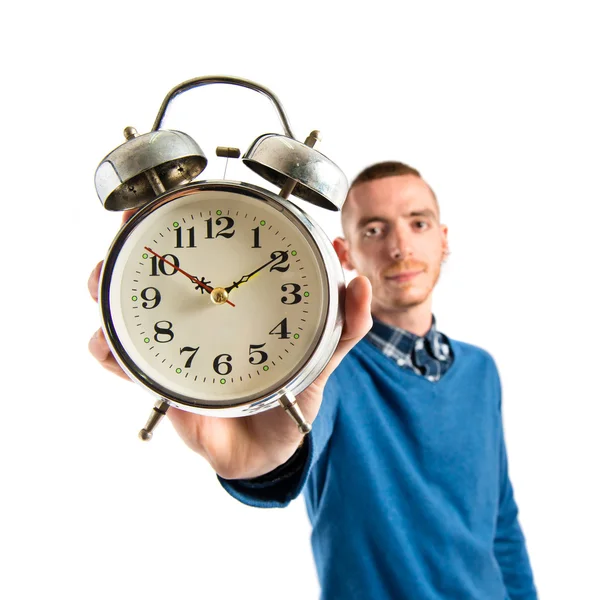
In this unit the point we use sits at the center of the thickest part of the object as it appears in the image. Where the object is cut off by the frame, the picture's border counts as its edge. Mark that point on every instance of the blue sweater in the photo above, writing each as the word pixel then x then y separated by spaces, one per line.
pixel 406 484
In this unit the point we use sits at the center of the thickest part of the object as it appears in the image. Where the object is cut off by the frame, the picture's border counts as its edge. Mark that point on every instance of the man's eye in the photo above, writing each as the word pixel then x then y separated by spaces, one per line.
pixel 421 224
pixel 372 231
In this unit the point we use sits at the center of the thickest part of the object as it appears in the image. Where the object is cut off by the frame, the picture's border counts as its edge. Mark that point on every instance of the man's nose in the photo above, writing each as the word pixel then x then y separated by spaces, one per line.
pixel 399 246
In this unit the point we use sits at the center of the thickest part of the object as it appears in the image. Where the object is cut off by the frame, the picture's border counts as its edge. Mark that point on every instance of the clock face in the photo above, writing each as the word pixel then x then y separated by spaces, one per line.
pixel 216 297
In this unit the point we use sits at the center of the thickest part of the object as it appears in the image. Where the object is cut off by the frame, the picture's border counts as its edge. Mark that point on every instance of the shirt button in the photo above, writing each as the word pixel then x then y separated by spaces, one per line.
pixel 401 362
pixel 431 378
pixel 419 345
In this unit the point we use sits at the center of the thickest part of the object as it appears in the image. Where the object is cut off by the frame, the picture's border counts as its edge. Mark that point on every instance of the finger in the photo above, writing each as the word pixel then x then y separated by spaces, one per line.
pixel 357 318
pixel 128 214
pixel 94 279
pixel 95 274
pixel 357 323
pixel 98 347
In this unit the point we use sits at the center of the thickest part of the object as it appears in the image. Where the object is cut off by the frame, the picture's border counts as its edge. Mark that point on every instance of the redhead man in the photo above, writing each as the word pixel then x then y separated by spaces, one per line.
pixel 405 472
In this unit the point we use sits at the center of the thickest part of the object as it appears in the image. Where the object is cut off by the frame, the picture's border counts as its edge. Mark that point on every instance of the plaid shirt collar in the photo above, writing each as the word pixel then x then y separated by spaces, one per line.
pixel 430 355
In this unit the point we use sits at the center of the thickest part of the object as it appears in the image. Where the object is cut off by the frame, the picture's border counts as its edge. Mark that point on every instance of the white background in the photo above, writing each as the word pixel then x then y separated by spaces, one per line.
pixel 496 103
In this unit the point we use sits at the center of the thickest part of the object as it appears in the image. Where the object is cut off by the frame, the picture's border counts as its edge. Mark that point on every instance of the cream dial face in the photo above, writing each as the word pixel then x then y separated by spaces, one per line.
pixel 216 298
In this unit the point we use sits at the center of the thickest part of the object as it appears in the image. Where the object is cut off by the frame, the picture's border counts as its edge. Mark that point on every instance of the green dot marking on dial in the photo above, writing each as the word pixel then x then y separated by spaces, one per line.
pixel 223 380
pixel 147 340
pixel 263 222
pixel 144 255
pixel 294 253
pixel 176 224
pixel 134 298
pixel 219 212
pixel 178 371
pixel 266 368
pixel 306 294
pixel 296 336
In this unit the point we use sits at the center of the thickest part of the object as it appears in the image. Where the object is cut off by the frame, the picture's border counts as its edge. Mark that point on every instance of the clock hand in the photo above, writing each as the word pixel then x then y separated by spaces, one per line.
pixel 202 283
pixel 192 278
pixel 274 256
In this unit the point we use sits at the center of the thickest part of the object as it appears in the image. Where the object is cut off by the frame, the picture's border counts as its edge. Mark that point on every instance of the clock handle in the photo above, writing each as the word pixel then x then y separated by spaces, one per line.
pixel 208 80
pixel 158 412
pixel 288 402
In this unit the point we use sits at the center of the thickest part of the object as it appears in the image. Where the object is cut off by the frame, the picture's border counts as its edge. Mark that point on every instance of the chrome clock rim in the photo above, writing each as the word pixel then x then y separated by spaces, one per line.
pixel 313 362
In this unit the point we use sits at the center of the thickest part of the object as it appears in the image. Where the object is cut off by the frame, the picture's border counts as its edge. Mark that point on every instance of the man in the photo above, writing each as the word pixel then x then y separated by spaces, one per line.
pixel 404 473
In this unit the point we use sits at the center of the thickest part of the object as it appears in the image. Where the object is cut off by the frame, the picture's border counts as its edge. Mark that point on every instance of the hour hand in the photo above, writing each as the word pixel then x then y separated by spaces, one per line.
pixel 278 255
pixel 237 284
pixel 202 284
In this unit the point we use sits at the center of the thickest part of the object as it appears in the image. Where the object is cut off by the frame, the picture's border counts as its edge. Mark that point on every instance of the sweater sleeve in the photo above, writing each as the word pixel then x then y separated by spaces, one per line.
pixel 284 484
pixel 509 542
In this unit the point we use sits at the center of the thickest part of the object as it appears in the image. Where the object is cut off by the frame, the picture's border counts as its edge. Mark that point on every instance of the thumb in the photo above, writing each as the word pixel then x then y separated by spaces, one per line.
pixel 357 321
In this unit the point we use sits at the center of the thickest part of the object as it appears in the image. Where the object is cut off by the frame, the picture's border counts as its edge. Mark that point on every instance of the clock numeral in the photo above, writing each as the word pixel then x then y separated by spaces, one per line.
pixel 282 255
pixel 160 265
pixel 219 365
pixel 254 349
pixel 281 330
pixel 229 224
pixel 191 238
pixel 293 293
pixel 188 362
pixel 161 331
pixel 154 297
pixel 256 231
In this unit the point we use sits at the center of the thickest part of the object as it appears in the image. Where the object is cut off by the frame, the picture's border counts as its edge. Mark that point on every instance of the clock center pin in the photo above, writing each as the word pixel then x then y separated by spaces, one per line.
pixel 219 295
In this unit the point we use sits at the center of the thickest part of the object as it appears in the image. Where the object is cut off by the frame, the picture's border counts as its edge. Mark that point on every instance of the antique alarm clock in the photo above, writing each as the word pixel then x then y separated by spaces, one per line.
pixel 220 297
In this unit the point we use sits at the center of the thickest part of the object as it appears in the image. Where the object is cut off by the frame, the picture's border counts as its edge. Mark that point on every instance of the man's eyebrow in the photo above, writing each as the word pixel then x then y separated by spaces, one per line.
pixel 426 212
pixel 370 219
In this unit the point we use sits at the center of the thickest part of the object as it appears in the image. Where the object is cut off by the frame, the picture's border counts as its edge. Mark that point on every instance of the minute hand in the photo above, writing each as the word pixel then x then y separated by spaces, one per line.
pixel 277 255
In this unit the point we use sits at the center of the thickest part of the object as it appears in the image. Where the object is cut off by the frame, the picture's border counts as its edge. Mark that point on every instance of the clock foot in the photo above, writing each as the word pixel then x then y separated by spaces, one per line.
pixel 158 412
pixel 288 402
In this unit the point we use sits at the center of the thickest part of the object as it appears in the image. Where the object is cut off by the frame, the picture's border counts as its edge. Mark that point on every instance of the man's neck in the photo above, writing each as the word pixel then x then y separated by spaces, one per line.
pixel 416 319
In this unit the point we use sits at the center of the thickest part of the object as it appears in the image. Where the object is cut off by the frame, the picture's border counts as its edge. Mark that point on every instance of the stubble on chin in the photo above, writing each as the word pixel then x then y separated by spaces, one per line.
pixel 405 296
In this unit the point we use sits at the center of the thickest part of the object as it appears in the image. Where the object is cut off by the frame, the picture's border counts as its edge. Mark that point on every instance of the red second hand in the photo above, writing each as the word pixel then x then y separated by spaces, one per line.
pixel 190 277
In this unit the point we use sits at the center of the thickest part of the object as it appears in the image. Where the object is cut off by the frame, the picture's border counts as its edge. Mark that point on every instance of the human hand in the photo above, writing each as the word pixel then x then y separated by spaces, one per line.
pixel 98 346
pixel 246 447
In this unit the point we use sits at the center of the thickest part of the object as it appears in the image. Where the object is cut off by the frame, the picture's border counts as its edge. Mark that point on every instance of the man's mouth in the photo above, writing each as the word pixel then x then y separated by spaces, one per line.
pixel 402 276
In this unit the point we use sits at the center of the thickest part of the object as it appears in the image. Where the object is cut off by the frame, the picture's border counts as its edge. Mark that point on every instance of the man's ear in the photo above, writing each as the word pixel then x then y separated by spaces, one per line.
pixel 341 248
pixel 445 249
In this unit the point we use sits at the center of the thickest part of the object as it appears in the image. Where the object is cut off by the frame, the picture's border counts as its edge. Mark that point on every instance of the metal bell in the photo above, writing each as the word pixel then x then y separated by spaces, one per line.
pixel 146 166
pixel 299 168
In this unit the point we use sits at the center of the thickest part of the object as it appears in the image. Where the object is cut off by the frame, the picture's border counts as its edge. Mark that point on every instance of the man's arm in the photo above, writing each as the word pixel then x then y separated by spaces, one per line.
pixel 282 485
pixel 509 543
